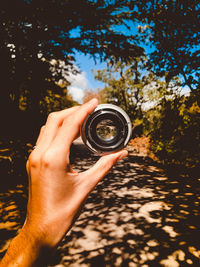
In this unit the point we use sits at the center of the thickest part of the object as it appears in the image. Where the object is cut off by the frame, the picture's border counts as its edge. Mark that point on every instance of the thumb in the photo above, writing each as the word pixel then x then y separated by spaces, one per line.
pixel 102 167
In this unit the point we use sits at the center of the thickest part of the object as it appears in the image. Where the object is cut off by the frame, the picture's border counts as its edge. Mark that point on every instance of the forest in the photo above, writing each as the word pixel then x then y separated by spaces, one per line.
pixel 152 55
pixel 147 71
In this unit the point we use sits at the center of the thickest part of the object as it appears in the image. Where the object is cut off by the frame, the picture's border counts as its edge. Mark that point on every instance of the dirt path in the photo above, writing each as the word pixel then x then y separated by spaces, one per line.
pixel 135 217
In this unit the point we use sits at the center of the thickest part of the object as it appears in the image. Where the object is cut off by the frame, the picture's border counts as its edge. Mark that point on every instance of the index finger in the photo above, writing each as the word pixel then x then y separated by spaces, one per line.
pixel 71 125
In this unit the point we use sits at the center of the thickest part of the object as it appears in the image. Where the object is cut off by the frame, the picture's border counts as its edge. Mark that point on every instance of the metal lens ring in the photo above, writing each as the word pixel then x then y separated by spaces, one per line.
pixel 106 130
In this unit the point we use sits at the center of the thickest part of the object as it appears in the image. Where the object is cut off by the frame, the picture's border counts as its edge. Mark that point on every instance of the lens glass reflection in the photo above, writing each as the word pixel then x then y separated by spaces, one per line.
pixel 106 130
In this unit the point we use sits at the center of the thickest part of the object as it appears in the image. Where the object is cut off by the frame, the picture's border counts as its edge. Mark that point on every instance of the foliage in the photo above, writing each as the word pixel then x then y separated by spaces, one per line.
pixel 172 28
pixel 176 134
pixel 55 30
pixel 170 31
pixel 157 109
pixel 123 86
pixel 33 33
pixel 89 94
pixel 55 102
pixel 39 39
pixel 133 88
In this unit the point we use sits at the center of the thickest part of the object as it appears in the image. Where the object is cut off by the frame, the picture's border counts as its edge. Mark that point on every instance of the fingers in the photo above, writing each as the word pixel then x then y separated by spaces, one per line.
pixel 40 135
pixel 54 122
pixel 102 167
pixel 71 125
pixel 61 129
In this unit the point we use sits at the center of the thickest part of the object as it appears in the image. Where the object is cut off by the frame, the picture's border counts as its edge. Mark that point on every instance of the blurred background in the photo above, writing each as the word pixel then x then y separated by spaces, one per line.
pixel 143 56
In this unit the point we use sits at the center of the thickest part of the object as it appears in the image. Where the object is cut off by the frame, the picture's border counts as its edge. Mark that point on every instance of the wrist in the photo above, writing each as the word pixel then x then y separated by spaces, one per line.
pixel 26 250
pixel 46 233
pixel 35 245
pixel 37 236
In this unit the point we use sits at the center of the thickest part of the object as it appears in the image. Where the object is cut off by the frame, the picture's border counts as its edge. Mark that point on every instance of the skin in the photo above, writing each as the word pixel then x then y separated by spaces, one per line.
pixel 56 191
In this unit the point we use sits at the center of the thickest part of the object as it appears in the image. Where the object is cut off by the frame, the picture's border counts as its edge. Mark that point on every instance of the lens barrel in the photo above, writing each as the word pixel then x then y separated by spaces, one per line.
pixel 107 129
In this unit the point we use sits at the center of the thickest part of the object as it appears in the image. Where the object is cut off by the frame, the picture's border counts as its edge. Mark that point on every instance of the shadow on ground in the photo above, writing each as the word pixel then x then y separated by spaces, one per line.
pixel 137 216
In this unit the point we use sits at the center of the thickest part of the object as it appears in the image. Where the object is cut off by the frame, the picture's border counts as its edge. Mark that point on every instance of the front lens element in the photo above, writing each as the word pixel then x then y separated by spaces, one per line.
pixel 106 130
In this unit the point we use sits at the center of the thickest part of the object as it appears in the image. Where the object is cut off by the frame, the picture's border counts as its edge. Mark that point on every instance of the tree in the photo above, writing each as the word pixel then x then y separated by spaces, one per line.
pixel 172 28
pixel 89 94
pixel 35 32
pixel 175 135
pixel 123 87
pixel 133 88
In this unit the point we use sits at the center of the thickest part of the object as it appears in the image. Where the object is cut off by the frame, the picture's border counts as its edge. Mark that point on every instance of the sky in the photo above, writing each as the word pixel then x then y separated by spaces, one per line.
pixel 84 80
pixel 86 64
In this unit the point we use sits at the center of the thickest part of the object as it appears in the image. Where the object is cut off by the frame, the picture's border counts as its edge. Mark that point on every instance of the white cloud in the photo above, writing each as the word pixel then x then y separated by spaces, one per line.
pixel 78 82
pixel 185 91
pixel 77 93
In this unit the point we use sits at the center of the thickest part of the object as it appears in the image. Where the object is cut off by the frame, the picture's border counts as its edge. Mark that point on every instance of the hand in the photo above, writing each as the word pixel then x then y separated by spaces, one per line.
pixel 56 192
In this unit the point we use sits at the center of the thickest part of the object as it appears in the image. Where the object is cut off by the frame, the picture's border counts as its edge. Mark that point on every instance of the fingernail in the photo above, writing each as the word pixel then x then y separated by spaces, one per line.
pixel 123 155
pixel 93 100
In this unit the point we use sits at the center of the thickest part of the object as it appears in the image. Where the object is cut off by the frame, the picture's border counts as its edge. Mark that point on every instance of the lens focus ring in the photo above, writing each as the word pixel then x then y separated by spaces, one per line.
pixel 106 130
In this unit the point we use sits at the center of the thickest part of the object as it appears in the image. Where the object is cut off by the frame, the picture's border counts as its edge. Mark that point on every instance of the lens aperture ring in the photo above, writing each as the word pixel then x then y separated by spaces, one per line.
pixel 98 144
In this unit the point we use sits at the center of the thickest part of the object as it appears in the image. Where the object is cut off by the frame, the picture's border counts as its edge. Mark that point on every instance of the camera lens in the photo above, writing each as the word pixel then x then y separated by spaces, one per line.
pixel 107 129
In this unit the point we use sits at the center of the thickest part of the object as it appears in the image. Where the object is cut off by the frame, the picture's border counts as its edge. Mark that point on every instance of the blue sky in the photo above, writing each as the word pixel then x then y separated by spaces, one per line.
pixel 86 64
pixel 85 80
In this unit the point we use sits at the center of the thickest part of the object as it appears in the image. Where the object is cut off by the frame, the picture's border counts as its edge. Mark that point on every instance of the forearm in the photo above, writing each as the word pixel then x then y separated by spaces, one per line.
pixel 25 250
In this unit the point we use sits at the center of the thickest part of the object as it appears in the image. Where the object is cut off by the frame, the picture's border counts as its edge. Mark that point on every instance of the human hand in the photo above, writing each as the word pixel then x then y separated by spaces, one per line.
pixel 56 192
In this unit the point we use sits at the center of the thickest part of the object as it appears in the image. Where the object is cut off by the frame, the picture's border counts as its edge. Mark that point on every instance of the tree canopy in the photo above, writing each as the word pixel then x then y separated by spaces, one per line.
pixel 35 32
pixel 173 28
pixel 170 31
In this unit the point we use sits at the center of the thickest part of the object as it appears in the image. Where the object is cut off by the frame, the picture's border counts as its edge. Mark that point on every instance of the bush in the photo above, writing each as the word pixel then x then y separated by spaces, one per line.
pixel 175 138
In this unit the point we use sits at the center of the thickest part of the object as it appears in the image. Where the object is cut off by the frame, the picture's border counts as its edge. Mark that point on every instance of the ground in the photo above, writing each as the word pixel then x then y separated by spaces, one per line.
pixel 137 216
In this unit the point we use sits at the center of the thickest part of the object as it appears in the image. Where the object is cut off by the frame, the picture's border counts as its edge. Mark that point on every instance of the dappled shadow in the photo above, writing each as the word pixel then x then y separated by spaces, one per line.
pixel 12 210
pixel 136 216
pixel 13 189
